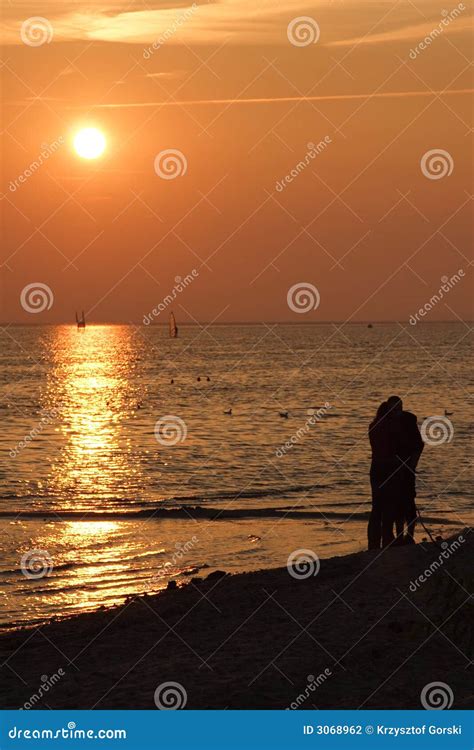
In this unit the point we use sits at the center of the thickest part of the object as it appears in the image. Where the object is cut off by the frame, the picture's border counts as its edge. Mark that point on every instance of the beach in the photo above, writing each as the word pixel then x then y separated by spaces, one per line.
pixel 98 487
pixel 365 630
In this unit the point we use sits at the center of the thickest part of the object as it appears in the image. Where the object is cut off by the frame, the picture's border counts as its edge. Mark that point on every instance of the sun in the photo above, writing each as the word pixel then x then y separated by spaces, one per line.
pixel 89 143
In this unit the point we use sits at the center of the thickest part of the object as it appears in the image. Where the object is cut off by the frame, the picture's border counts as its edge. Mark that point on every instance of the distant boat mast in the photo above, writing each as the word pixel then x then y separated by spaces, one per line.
pixel 81 322
pixel 173 327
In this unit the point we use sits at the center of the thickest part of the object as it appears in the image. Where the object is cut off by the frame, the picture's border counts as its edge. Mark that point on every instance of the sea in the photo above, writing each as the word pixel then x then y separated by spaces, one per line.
pixel 130 459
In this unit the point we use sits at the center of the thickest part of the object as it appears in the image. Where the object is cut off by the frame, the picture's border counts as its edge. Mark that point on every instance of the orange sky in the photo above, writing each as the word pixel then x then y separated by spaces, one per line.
pixel 360 220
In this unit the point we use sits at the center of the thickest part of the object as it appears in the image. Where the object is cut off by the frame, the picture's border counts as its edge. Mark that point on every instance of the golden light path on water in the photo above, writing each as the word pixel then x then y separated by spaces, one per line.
pixel 86 583
pixel 89 386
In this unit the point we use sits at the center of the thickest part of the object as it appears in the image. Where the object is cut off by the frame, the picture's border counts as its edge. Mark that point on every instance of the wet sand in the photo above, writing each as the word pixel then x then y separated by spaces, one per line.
pixel 365 632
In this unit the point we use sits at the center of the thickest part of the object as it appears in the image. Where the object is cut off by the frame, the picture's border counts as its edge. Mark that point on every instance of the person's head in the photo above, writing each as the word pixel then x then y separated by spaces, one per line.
pixel 382 410
pixel 395 404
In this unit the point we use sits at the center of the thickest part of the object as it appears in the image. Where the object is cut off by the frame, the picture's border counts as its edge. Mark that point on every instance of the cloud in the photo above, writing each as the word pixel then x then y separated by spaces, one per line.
pixel 238 21
pixel 192 22
pixel 430 28
pixel 166 75
pixel 284 99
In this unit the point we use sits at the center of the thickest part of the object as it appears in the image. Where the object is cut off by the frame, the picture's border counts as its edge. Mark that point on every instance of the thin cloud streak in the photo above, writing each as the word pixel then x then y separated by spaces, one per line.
pixel 284 99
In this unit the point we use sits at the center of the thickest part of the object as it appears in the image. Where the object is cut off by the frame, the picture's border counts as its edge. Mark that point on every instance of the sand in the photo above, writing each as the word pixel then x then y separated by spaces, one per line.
pixel 363 632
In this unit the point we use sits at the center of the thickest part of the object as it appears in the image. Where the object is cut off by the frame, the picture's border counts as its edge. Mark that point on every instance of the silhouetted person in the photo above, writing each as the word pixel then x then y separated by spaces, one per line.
pixel 383 470
pixel 409 447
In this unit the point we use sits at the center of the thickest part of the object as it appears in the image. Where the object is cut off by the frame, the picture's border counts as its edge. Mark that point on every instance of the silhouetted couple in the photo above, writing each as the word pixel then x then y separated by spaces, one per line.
pixel 396 448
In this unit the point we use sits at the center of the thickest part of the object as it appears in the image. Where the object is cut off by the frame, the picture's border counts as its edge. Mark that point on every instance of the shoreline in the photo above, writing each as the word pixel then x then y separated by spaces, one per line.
pixel 198 512
pixel 254 640
pixel 151 557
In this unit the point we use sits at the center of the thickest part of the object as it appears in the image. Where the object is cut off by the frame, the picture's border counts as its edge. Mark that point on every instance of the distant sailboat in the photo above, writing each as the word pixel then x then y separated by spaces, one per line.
pixel 81 322
pixel 173 327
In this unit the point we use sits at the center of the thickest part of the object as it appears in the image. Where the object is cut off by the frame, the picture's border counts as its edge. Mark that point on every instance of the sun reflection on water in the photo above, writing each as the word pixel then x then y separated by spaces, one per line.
pixel 89 529
pixel 90 387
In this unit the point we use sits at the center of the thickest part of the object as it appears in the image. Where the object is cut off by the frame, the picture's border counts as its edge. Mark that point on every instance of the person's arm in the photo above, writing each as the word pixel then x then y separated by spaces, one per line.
pixel 416 441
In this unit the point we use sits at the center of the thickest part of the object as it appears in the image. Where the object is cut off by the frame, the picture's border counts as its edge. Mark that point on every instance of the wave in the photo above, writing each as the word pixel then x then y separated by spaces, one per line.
pixel 206 513
pixel 196 498
pixel 199 498
pixel 114 565
pixel 248 494
pixel 172 500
